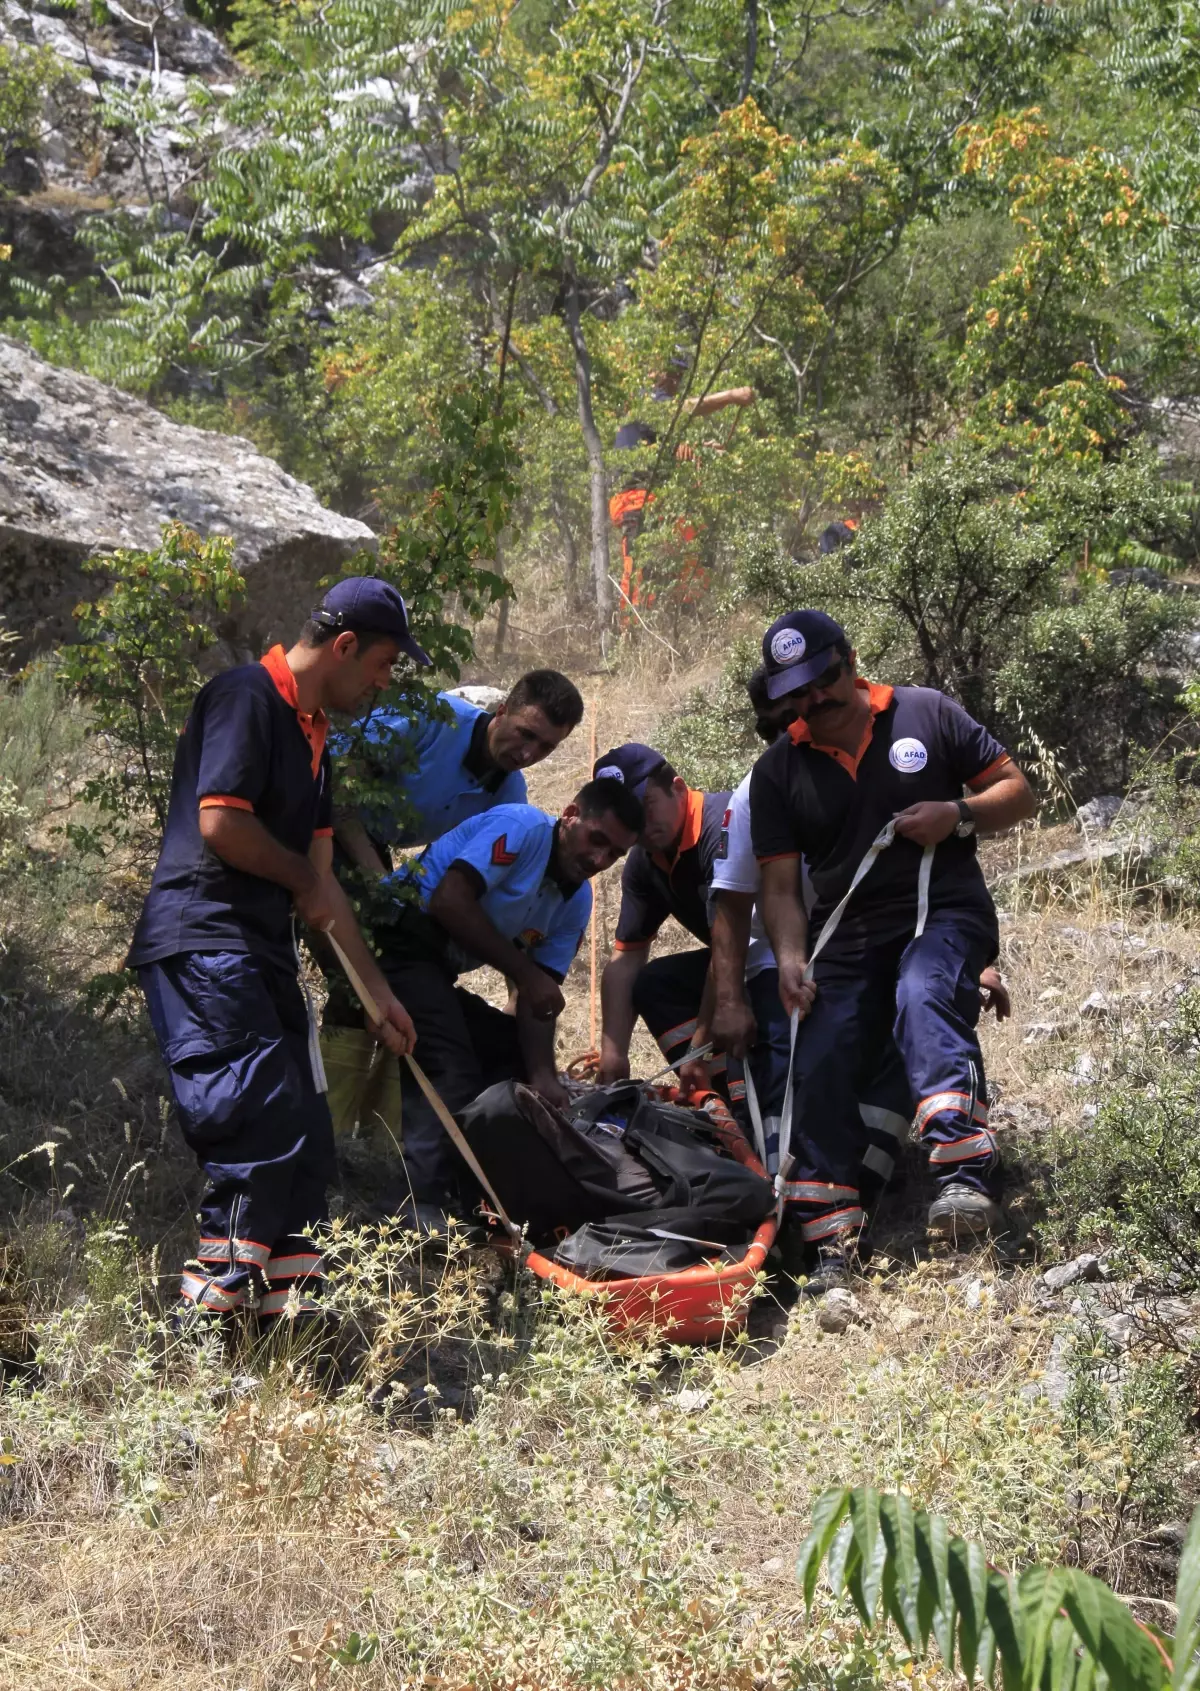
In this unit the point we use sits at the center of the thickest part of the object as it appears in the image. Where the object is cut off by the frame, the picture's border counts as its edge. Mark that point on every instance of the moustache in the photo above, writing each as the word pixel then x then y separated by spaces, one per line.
pixel 826 704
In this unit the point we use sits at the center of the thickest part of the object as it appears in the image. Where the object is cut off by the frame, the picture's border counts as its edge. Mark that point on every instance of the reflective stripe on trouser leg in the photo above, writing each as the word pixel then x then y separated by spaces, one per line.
pixel 953 1126
pixel 295 1278
pixel 937 1012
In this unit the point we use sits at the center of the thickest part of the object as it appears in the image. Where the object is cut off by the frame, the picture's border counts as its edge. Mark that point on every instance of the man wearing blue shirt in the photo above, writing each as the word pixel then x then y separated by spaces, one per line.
pixel 449 767
pixel 507 889
pixel 247 846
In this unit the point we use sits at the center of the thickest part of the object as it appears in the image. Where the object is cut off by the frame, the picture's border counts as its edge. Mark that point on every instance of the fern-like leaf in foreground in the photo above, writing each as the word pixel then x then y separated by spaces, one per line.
pixel 1047 1629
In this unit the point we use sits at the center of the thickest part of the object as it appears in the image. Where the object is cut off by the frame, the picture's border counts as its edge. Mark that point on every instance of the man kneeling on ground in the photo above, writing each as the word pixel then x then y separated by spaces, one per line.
pixel 507 889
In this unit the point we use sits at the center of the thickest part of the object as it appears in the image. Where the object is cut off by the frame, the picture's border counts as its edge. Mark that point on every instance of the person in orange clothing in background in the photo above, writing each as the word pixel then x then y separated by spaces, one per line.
pixel 627 508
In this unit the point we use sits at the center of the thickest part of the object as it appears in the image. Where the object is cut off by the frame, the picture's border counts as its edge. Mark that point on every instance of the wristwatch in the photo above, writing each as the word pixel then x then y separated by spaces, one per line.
pixel 965 825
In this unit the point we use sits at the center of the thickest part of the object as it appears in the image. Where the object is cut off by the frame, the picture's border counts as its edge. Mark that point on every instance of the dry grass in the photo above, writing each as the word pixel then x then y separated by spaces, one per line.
pixel 602 1515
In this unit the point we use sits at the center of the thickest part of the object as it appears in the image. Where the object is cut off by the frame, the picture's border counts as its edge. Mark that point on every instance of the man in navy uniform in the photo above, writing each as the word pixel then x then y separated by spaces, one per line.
pixel 668 873
pixel 248 847
pixel 907 951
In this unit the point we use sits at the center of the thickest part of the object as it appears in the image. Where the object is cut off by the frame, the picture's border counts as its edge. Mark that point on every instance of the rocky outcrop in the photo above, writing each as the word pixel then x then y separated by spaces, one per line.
pixel 84 467
pixel 119 128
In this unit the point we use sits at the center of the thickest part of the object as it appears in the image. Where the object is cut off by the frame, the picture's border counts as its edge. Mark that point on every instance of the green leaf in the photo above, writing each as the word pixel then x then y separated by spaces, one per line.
pixel 968 1577
pixel 1127 1654
pixel 828 1514
pixel 1186 1674
pixel 865 1576
pixel 902 1574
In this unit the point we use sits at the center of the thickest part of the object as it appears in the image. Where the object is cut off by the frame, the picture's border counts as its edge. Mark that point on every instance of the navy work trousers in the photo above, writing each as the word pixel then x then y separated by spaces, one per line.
pixel 885 1105
pixel 233 1031
pixel 924 992
pixel 667 995
pixel 464 1044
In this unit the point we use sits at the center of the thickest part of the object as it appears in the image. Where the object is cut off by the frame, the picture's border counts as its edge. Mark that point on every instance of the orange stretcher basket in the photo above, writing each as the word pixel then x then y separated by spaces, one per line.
pixel 698 1305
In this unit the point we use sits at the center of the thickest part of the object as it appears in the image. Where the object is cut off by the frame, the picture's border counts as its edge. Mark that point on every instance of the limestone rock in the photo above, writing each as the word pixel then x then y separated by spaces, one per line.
pixel 838 1310
pixel 85 467
pixel 1085 1267
pixel 1098 815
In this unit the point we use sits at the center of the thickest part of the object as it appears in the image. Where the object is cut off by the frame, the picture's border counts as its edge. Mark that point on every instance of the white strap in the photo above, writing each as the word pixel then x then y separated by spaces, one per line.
pixel 880 843
pixel 755 1114
pixel 923 874
pixel 785 1122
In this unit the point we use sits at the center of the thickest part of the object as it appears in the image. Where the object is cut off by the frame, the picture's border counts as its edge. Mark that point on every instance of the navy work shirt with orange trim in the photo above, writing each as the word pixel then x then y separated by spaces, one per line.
pixel 825 805
pixel 654 886
pixel 246 746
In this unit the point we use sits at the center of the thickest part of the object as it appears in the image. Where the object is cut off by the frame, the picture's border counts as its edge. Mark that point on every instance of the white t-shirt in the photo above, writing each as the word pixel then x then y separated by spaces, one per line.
pixel 736 870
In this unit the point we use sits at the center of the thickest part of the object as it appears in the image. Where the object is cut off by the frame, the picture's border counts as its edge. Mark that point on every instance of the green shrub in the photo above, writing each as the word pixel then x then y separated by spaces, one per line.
pixel 1130 1183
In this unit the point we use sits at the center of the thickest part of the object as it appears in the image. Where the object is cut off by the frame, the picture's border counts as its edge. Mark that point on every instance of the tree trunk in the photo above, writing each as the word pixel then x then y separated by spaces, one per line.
pixel 570 549
pixel 751 58
pixel 601 585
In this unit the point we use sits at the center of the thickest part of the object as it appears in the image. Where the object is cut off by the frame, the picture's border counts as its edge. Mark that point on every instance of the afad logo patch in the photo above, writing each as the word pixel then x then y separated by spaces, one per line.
pixel 530 937
pixel 610 772
pixel 787 647
pixel 908 756
pixel 501 856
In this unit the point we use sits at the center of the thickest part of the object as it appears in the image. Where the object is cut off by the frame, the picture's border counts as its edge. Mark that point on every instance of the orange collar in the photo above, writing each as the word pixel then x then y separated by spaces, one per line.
pixel 314 727
pixel 878 698
pixel 693 821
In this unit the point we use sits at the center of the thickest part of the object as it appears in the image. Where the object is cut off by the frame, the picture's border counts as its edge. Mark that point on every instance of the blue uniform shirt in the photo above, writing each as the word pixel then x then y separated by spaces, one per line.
pixel 508 851
pixel 441 767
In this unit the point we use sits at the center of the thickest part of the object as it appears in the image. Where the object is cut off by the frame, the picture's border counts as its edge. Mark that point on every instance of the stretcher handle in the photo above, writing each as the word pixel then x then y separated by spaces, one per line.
pixel 433 1097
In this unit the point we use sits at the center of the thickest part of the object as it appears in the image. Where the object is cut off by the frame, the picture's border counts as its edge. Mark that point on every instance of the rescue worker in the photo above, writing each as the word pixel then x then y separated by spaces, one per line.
pixel 627 508
pixel 448 768
pixel 247 847
pixel 668 873
pixel 454 766
pixel 742 1013
pixel 509 889
pixel 908 949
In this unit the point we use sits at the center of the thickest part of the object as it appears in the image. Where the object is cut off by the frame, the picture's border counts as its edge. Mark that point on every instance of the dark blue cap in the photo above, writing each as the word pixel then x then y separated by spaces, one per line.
pixel 631 763
pixel 797 648
pixel 365 604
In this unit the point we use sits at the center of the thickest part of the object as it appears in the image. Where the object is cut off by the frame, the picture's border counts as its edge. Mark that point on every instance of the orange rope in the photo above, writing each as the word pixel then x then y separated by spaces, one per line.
pixel 595 912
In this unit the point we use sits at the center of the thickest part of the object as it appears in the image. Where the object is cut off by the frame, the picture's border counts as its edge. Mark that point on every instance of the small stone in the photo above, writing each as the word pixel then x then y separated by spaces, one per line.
pixel 1055 1382
pixel 903 1319
pixel 977 1294
pixel 691 1399
pixel 7 1573
pixel 1169 1532
pixel 1119 1329
pixel 773 1565
pixel 1037 1032
pixel 1098 815
pixel 839 1310
pixel 1095 1007
pixel 1085 1267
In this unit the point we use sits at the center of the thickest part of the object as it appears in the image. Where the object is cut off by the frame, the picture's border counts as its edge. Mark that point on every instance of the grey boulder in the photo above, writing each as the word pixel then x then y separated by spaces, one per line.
pixel 85 468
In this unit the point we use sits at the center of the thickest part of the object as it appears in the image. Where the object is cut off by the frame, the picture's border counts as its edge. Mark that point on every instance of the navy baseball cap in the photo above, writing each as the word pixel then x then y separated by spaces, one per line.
pixel 368 605
pixel 797 648
pixel 631 763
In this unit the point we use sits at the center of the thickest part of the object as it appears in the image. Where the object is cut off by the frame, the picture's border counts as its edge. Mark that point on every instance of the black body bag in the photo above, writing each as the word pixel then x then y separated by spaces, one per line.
pixel 624 1158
